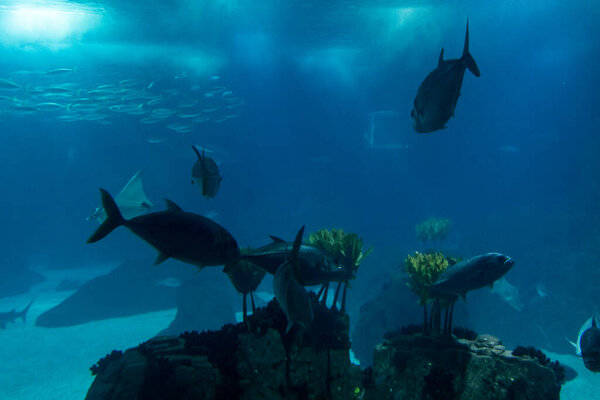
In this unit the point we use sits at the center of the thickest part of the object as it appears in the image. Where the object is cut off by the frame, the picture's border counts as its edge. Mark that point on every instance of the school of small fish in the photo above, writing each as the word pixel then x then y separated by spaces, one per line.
pixel 179 104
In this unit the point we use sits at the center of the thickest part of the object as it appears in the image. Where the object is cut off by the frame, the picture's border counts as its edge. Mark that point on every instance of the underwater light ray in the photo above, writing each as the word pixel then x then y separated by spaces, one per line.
pixel 46 22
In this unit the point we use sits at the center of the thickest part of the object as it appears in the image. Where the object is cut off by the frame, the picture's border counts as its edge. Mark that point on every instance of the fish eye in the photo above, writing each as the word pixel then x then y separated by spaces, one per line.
pixel 412 113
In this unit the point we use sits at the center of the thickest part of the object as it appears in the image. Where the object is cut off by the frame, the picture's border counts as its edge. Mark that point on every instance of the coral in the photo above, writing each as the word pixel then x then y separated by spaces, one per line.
pixel 347 247
pixel 102 363
pixel 433 229
pixel 464 333
pixel 532 352
pixel 423 270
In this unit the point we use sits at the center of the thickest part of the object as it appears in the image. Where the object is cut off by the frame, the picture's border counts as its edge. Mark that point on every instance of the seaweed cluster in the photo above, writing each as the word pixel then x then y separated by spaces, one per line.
pixel 346 247
pixel 464 333
pixel 102 363
pixel 423 270
pixel 433 229
pixel 532 352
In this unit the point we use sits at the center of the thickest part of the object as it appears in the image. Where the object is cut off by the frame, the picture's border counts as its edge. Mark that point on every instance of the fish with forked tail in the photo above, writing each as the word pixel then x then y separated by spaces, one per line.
pixel 438 94
pixel 131 200
pixel 184 236
pixel 474 273
pixel 316 266
pixel 290 292
pixel 205 174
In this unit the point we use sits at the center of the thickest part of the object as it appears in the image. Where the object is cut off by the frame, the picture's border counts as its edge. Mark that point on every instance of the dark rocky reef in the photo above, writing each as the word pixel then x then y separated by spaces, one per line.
pixel 244 361
pixel 443 368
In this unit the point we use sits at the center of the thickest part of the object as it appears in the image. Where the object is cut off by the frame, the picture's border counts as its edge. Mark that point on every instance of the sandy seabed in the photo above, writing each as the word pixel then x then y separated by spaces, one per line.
pixel 53 363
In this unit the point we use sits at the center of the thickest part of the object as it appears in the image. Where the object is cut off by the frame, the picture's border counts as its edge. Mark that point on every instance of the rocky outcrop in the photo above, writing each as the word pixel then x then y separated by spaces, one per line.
pixel 432 367
pixel 255 361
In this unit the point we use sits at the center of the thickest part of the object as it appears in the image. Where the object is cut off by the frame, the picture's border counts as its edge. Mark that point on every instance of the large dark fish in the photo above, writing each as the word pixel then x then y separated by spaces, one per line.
pixel 474 273
pixel 11 316
pixel 184 236
pixel 437 96
pixel 205 173
pixel 289 292
pixel 315 265
pixel 590 347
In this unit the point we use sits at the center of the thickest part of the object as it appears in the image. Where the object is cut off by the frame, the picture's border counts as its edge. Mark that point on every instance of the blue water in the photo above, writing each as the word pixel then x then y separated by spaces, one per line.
pixel 516 170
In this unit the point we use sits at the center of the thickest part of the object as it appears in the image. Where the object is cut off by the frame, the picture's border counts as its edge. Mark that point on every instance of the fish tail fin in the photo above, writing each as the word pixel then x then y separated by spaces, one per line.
pixel 113 220
pixel 467 57
pixel 23 313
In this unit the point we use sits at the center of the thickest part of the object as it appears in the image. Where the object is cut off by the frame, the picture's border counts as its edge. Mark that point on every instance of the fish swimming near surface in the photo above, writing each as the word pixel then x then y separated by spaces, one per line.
pixel 184 236
pixel 474 273
pixel 12 316
pixel 290 292
pixel 315 265
pixel 131 200
pixel 205 174
pixel 438 94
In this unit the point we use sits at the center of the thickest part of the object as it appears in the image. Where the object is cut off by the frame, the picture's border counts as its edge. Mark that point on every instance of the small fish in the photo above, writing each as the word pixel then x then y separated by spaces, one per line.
pixel 290 293
pixel 11 316
pixel 437 96
pixel 509 149
pixel 541 290
pixel 49 106
pixel 155 140
pixel 60 71
pixel 131 200
pixel 150 85
pixel 150 120
pixel 184 236
pixel 474 273
pixel 170 282
pixel 205 174
pixel 9 85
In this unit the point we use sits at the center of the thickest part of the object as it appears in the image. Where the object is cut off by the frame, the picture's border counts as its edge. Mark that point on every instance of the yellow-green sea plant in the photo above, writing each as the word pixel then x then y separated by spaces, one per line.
pixel 423 270
pixel 346 247
pixel 433 229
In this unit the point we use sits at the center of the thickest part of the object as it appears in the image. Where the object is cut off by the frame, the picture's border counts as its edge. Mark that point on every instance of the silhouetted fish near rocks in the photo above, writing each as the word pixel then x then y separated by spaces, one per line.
pixel 474 273
pixel 438 94
pixel 586 325
pixel 289 291
pixel 315 265
pixel 205 174
pixel 590 346
pixel 11 316
pixel 184 236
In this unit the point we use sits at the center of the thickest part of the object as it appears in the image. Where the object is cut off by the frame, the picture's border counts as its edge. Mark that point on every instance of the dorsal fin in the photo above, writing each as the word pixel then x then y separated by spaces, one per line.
pixel 171 206
pixel 466 47
pixel 276 239
pixel 297 243
pixel 441 59
pixel 197 152
pixel 293 259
